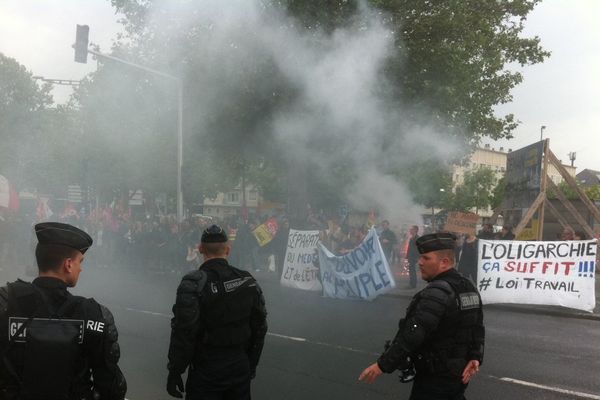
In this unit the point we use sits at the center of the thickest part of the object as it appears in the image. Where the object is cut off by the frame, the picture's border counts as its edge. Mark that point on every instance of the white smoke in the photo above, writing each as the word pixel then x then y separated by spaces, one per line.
pixel 339 98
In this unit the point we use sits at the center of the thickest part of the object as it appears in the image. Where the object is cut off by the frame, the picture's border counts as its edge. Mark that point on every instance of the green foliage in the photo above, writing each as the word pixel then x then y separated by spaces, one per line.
pixel 450 59
pixel 451 56
pixel 477 190
pixel 498 193
pixel 593 191
pixel 39 143
pixel 430 184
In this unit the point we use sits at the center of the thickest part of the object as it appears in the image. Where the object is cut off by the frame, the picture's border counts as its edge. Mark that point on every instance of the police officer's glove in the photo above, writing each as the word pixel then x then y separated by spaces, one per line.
pixel 175 385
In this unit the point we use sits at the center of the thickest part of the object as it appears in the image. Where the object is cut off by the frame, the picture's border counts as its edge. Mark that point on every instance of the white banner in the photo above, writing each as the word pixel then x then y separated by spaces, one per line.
pixel 363 273
pixel 544 273
pixel 300 269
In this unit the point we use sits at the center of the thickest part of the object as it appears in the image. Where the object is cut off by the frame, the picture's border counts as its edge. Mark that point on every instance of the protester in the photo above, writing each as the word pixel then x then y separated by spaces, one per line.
pixel 388 240
pixel 568 234
pixel 506 233
pixel 412 256
pixel 467 264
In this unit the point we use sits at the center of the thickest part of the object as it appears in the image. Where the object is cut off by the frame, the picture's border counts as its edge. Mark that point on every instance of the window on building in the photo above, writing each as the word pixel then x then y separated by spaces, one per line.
pixel 233 197
pixel 252 195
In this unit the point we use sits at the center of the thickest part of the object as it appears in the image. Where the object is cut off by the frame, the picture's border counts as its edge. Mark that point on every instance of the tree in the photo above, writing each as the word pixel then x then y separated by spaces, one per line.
pixel 39 142
pixel 498 193
pixel 449 61
pixel 477 190
pixel 593 191
pixel 452 57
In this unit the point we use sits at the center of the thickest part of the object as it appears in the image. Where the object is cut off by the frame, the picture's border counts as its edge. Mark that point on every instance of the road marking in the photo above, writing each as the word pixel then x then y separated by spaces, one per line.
pixel 552 389
pixel 147 312
pixel 278 335
pixel 333 346
pixel 296 339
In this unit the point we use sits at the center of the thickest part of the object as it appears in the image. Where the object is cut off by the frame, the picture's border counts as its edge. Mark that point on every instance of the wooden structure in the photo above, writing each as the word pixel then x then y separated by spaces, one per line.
pixel 541 202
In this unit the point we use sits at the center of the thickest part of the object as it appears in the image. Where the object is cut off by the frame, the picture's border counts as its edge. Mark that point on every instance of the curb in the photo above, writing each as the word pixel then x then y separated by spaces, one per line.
pixel 516 308
pixel 523 309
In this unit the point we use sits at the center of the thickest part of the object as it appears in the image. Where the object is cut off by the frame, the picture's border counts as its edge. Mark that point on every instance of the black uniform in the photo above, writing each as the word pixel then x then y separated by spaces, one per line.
pixel 442 331
pixel 218 330
pixel 69 349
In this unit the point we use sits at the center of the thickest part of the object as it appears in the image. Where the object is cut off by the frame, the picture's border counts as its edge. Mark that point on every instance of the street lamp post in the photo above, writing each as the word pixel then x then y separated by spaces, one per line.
pixel 542 132
pixel 442 190
pixel 179 84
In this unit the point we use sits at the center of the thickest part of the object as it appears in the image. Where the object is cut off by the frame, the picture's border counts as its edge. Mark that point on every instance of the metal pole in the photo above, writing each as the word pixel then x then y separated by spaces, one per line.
pixel 179 149
pixel 179 84
pixel 542 132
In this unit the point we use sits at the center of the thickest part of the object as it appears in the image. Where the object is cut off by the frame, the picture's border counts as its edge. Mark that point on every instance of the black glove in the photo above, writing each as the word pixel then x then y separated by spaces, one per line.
pixel 175 385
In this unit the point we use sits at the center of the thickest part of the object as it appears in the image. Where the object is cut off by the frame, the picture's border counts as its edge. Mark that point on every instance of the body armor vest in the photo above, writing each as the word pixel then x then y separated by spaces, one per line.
pixel 225 307
pixel 447 348
pixel 43 346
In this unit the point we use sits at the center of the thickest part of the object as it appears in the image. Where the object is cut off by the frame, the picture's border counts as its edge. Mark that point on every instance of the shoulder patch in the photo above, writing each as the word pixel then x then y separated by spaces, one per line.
pixel 233 284
pixel 469 300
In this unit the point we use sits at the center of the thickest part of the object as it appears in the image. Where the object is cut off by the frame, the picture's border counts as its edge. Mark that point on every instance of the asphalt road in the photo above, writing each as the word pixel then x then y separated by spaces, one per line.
pixel 317 347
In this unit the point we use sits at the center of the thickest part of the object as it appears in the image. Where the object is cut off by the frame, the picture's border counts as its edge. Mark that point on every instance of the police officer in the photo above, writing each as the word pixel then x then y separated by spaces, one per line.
pixel 218 328
pixel 442 334
pixel 55 345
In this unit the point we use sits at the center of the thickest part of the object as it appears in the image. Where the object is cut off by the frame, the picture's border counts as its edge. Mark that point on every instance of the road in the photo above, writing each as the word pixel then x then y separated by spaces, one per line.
pixel 316 347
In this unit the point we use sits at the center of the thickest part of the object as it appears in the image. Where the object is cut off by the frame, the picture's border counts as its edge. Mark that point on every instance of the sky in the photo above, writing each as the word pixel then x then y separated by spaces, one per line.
pixel 561 93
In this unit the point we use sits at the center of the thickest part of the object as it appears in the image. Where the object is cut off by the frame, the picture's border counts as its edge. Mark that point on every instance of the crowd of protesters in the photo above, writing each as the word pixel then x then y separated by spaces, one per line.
pixel 159 244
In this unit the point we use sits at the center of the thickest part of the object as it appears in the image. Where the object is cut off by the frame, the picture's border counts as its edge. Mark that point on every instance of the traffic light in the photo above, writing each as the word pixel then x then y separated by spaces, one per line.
pixel 81 43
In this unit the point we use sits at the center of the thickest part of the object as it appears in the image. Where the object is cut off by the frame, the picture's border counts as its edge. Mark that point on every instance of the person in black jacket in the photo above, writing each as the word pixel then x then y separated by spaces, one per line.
pixel 442 334
pixel 218 327
pixel 412 256
pixel 56 345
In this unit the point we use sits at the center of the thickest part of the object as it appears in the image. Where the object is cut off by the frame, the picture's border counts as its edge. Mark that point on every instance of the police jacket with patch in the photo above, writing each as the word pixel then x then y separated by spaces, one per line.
pixel 56 345
pixel 218 307
pixel 442 331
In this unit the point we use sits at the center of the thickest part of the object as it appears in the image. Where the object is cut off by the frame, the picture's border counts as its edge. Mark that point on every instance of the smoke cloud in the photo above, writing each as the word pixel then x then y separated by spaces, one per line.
pixel 340 113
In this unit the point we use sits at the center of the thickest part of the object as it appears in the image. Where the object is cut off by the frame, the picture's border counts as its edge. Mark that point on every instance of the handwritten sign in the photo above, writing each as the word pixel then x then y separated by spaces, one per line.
pixel 459 222
pixel 363 273
pixel 300 269
pixel 546 273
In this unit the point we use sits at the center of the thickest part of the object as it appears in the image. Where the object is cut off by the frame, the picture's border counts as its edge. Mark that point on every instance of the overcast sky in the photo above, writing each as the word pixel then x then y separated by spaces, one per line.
pixel 562 93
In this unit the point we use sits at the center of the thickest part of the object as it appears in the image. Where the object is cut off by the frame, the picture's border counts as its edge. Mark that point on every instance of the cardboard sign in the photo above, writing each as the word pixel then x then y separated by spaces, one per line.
pixel 459 222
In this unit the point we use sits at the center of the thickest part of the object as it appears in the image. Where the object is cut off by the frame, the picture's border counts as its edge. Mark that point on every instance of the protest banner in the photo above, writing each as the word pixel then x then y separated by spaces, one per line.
pixel 300 269
pixel 459 222
pixel 264 233
pixel 363 273
pixel 543 273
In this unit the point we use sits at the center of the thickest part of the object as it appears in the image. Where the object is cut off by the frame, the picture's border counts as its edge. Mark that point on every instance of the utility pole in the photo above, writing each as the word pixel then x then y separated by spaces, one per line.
pixel 572 157
pixel 542 132
pixel 81 51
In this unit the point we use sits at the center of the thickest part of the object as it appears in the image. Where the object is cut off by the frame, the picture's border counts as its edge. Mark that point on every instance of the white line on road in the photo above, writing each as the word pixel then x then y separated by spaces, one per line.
pixel 553 389
pixel 304 340
pixel 296 339
pixel 147 312
pixel 293 338
pixel 333 346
